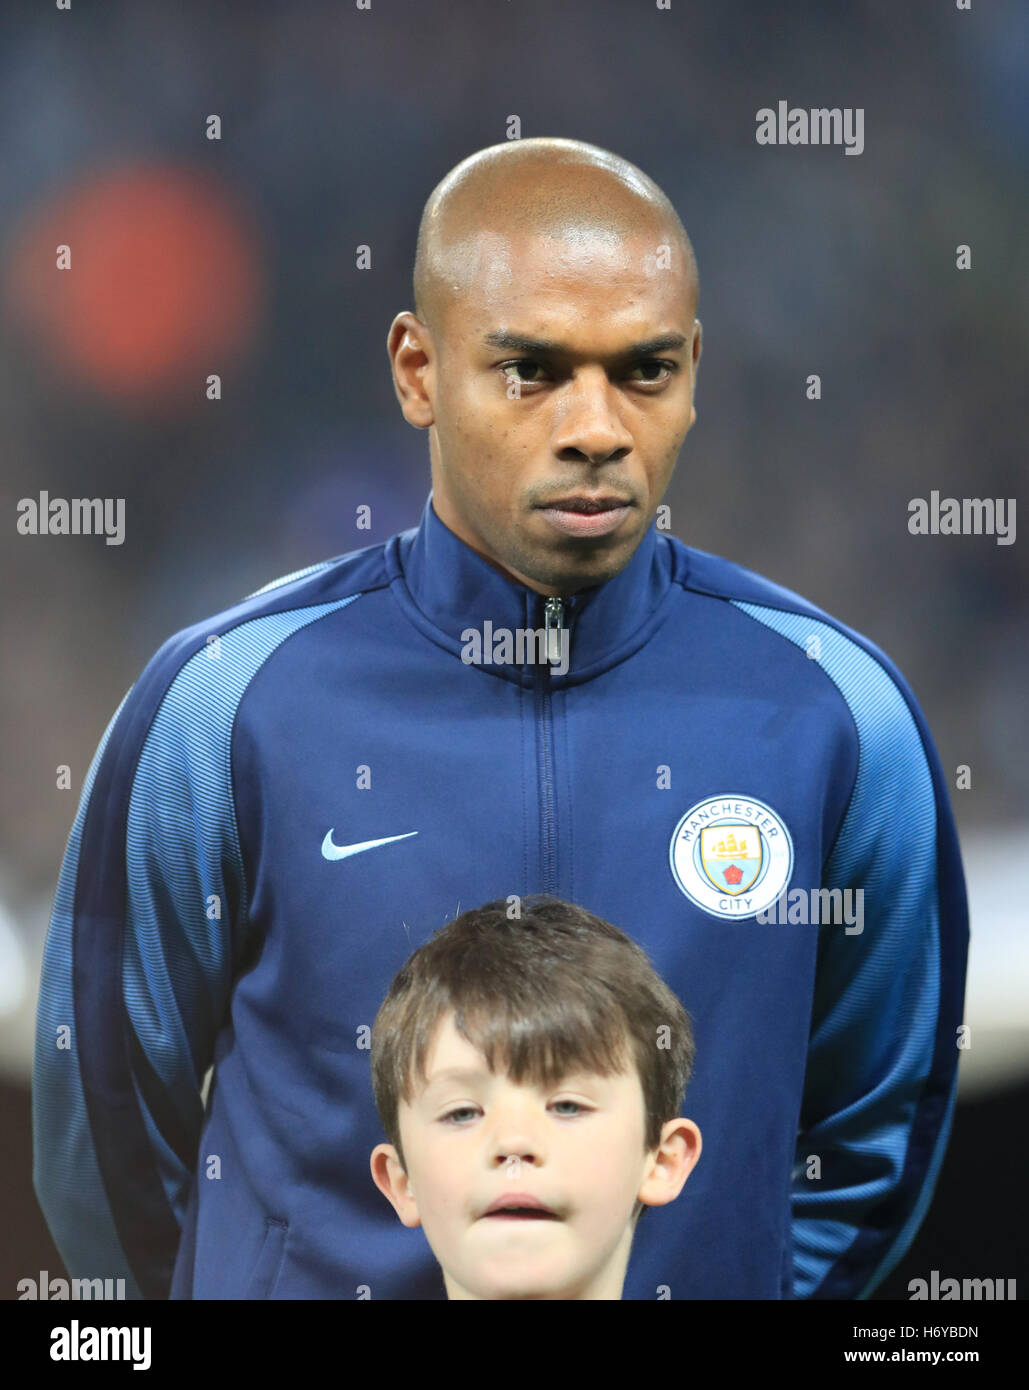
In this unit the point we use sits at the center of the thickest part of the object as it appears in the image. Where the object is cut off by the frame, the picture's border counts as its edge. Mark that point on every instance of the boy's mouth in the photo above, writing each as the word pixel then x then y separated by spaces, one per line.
pixel 520 1207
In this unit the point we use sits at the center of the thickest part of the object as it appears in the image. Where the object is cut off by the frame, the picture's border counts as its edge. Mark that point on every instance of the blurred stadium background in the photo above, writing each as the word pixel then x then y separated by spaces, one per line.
pixel 237 256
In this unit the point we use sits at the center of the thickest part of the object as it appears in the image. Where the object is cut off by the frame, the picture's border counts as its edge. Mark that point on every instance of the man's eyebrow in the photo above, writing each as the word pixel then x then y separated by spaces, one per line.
pixel 542 347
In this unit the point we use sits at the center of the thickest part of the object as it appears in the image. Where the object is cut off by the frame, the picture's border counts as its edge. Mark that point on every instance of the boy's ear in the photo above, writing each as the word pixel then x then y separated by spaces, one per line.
pixel 391 1180
pixel 670 1164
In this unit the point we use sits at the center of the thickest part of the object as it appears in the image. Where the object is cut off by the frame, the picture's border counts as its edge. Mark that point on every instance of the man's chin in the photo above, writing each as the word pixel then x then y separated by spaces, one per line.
pixel 577 560
pixel 581 567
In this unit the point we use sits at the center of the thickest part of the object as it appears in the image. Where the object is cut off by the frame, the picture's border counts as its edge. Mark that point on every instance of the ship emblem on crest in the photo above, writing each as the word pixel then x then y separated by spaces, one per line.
pixel 731 856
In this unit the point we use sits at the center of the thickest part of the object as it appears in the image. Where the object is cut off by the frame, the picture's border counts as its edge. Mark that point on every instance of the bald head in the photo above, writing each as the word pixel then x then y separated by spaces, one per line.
pixel 549 188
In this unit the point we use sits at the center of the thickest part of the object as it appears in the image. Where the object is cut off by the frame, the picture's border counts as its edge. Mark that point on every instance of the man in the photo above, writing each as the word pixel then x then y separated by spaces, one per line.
pixel 296 793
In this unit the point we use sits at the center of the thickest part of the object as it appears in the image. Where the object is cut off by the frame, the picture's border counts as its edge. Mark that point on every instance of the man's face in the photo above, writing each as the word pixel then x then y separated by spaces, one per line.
pixel 563 370
pixel 471 1138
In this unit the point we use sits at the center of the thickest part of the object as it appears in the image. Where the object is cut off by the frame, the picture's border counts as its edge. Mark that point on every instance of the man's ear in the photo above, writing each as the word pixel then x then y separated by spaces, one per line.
pixel 391 1180
pixel 412 359
pixel 698 335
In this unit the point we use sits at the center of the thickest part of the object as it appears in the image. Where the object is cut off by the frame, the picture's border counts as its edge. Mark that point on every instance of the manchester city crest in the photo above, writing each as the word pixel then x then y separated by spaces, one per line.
pixel 731 855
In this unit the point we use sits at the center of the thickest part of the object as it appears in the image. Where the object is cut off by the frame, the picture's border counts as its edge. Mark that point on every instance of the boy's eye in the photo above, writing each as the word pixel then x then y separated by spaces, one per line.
pixel 453 1116
pixel 578 1108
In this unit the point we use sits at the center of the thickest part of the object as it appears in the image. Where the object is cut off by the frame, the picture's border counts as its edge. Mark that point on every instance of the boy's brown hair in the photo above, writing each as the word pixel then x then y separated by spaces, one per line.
pixel 553 990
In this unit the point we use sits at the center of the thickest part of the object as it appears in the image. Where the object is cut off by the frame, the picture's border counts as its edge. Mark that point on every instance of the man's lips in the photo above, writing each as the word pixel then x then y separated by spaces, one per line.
pixel 519 1206
pixel 586 515
pixel 588 502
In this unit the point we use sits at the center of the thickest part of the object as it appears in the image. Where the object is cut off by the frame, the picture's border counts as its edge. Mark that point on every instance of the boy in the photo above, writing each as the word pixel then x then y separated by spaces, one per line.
pixel 528 1071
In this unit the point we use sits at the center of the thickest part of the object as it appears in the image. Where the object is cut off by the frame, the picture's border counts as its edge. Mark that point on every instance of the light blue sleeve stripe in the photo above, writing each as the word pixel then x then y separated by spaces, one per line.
pixel 901 1245
pixel 876 1002
pixel 65 1174
pixel 285 579
pixel 181 846
pixel 186 896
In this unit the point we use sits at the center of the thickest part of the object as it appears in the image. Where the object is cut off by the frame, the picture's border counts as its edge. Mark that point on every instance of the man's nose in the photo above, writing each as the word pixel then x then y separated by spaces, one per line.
pixel 590 426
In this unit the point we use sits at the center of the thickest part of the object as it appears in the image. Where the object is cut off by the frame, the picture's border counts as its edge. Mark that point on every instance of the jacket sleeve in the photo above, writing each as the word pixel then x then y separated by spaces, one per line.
pixel 883 1052
pixel 136 976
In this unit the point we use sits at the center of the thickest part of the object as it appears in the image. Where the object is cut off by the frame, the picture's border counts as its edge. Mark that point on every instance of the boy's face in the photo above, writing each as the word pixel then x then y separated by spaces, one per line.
pixel 471 1138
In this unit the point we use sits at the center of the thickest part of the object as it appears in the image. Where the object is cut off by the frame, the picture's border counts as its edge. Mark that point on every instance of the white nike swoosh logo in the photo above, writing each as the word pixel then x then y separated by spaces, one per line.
pixel 331 851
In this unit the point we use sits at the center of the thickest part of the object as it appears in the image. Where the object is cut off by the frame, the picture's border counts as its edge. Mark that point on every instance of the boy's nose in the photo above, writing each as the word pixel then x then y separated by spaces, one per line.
pixel 517 1152
pixel 517 1142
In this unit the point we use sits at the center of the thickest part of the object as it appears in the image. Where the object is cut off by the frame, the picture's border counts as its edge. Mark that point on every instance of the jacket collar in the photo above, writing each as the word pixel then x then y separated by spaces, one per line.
pixel 447 589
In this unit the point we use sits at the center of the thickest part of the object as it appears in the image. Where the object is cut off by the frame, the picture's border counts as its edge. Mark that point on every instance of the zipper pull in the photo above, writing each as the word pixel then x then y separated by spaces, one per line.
pixel 554 612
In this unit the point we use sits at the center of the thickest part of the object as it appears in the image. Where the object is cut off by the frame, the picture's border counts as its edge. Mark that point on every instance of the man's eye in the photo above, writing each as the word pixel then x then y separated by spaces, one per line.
pixel 531 373
pixel 655 364
pixel 523 364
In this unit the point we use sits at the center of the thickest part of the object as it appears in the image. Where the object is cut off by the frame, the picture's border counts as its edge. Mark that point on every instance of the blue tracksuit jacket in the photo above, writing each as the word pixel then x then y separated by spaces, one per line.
pixel 714 740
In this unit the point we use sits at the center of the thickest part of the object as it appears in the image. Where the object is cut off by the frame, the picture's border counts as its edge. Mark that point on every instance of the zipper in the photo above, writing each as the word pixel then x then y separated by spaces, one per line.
pixel 553 621
pixel 555 637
